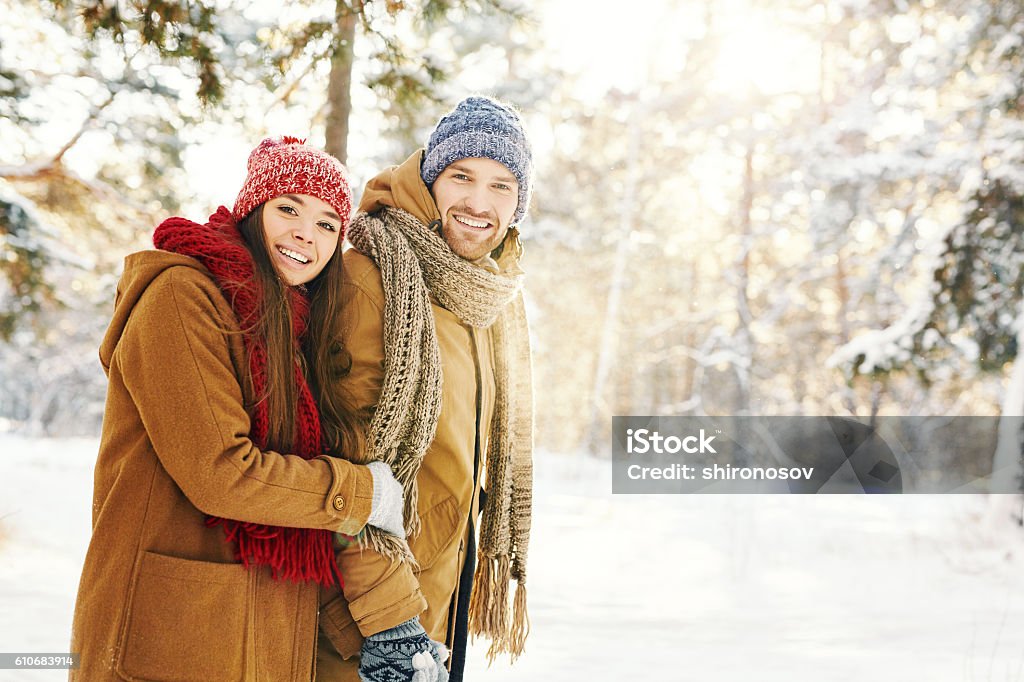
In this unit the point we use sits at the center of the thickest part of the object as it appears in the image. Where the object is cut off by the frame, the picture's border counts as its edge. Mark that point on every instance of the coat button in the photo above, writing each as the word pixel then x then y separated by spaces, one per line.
pixel 339 502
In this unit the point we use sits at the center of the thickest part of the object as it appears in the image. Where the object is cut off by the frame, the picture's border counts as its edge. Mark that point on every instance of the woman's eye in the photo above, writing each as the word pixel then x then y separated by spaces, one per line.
pixel 328 226
pixel 288 209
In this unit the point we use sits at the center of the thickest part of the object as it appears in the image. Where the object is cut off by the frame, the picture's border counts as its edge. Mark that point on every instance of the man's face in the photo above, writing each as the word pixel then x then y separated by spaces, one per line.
pixel 477 198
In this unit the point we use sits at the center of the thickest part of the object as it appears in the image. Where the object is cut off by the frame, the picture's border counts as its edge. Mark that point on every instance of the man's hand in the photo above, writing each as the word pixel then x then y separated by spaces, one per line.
pixel 404 652
pixel 429 667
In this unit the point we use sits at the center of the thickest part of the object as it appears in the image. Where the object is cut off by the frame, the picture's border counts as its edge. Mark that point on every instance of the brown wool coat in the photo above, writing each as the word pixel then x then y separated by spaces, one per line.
pixel 380 594
pixel 161 596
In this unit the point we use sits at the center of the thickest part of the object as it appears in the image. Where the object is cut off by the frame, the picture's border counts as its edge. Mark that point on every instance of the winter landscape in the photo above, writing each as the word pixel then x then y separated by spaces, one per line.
pixel 660 587
pixel 748 207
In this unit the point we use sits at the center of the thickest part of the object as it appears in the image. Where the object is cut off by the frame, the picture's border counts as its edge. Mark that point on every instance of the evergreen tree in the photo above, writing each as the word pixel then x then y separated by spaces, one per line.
pixel 198 34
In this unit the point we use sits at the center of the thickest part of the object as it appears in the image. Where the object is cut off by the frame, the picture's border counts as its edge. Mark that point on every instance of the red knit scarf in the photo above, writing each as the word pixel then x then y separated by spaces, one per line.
pixel 295 554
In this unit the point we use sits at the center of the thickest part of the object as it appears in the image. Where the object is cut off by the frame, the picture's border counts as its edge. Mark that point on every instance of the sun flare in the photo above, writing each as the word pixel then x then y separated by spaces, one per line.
pixel 762 57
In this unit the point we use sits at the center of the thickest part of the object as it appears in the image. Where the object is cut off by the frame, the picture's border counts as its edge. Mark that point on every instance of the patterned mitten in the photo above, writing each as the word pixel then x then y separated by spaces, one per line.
pixel 403 654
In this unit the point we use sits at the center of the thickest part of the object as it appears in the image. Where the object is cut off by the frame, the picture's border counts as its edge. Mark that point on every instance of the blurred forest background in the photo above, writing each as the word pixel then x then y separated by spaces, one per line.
pixel 743 207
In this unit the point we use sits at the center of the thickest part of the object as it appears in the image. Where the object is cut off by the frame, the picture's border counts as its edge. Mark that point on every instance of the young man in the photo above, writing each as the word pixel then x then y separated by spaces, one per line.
pixel 435 326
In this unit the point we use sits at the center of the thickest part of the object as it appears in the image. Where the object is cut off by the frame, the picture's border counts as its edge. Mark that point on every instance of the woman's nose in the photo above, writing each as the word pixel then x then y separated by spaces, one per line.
pixel 304 232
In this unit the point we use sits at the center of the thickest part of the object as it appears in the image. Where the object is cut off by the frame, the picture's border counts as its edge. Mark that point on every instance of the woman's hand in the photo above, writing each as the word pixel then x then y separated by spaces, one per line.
pixel 388 501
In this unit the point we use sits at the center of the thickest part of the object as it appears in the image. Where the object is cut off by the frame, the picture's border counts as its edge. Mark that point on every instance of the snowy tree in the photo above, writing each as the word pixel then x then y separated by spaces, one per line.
pixel 285 48
pixel 824 219
pixel 968 314
pixel 25 258
pixel 103 101
pixel 63 232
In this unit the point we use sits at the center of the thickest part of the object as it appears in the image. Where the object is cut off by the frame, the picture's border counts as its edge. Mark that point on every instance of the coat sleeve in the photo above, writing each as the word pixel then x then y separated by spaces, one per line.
pixel 381 593
pixel 175 360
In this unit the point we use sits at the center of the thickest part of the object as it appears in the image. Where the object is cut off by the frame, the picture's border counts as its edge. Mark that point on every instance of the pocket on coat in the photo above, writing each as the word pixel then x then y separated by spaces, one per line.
pixel 440 525
pixel 186 621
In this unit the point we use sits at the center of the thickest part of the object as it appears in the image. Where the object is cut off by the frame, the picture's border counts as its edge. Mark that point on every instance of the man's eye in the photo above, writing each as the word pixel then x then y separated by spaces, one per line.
pixel 461 176
pixel 504 188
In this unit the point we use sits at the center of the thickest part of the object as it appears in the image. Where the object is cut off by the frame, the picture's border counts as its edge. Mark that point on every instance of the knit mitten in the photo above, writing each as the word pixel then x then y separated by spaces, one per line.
pixel 403 654
pixel 386 508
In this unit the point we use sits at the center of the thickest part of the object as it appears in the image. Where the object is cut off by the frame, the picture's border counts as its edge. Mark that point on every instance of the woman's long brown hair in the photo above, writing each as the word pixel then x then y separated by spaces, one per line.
pixel 323 356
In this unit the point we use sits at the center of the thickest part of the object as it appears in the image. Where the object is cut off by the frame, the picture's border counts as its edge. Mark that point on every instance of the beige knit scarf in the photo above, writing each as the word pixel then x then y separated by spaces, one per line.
pixel 416 263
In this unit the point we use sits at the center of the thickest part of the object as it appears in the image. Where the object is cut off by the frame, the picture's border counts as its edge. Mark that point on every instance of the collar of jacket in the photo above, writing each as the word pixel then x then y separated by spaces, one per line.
pixel 402 187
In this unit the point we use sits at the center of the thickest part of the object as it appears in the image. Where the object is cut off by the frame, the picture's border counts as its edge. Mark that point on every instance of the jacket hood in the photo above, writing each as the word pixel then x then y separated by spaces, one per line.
pixel 140 269
pixel 402 187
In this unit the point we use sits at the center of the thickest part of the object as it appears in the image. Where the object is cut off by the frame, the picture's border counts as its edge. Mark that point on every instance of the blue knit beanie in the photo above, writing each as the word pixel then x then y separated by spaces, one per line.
pixel 480 127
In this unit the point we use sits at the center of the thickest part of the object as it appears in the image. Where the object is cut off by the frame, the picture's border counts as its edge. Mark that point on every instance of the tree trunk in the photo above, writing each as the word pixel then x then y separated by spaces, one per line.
pixel 1006 463
pixel 743 336
pixel 597 437
pixel 1008 457
pixel 339 86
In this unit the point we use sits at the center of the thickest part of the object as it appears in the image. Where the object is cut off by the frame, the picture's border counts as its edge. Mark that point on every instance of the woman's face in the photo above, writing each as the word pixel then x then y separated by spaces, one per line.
pixel 302 235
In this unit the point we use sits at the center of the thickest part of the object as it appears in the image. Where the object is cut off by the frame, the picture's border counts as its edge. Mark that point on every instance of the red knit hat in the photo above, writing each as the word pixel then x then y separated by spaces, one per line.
pixel 285 165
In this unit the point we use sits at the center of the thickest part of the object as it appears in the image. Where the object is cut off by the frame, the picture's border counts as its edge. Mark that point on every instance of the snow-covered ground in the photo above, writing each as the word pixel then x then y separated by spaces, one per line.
pixel 665 587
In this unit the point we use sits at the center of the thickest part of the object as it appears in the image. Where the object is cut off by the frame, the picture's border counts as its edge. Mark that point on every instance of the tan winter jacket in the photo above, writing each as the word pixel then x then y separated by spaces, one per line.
pixel 380 594
pixel 161 596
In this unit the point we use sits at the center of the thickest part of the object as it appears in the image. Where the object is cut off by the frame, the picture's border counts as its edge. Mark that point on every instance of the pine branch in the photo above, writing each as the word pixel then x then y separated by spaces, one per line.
pixel 88 123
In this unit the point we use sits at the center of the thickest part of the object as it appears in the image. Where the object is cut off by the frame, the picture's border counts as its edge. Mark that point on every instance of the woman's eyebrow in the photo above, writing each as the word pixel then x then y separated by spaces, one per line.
pixel 300 202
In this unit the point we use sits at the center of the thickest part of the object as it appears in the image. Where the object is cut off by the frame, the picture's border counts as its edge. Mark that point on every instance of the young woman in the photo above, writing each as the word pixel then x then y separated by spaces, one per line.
pixel 215 500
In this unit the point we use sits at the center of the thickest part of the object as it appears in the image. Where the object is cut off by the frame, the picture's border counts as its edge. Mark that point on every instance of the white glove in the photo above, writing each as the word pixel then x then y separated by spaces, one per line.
pixel 388 501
